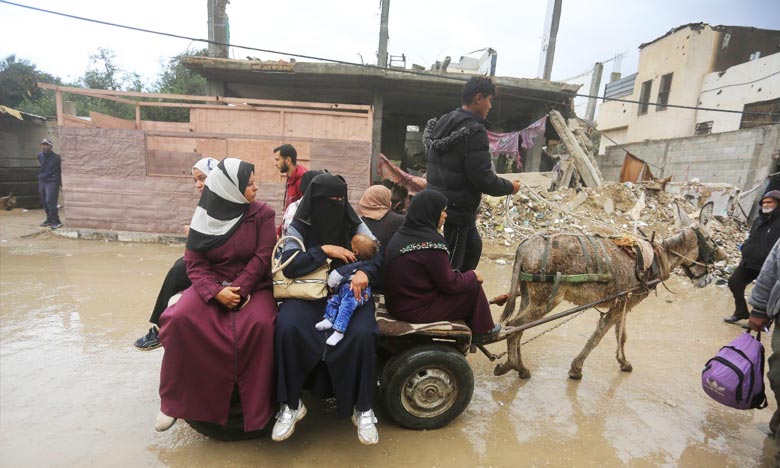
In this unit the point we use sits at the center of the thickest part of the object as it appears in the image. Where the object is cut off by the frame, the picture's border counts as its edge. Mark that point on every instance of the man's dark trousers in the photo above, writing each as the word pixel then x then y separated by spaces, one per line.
pixel 465 245
pixel 50 192
pixel 738 281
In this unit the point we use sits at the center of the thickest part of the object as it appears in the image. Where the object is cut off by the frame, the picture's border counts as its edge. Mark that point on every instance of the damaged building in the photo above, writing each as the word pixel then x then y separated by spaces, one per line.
pixel 402 100
pixel 730 68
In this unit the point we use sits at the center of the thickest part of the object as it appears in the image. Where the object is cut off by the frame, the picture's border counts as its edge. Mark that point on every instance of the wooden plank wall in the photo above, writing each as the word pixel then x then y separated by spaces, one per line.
pixel 125 179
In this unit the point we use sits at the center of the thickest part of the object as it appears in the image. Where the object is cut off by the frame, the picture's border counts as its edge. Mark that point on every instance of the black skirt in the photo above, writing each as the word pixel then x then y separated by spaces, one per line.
pixel 303 360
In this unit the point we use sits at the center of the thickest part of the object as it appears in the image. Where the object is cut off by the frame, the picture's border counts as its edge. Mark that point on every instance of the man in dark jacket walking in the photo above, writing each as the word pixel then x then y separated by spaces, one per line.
pixel 763 235
pixel 459 166
pixel 49 182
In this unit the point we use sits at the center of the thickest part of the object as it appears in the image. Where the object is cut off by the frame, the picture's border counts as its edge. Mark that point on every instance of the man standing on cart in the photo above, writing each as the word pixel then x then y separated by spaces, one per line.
pixel 459 166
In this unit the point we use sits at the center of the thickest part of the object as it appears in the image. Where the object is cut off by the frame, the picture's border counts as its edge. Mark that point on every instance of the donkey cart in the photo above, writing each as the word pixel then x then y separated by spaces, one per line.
pixel 424 378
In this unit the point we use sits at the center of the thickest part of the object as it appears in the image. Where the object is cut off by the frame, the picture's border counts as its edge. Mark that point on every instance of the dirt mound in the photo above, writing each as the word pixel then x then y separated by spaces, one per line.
pixel 612 209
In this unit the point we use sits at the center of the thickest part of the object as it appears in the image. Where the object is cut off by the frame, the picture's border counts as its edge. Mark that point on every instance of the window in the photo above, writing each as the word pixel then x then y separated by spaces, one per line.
pixel 644 97
pixel 704 128
pixel 663 92
pixel 763 107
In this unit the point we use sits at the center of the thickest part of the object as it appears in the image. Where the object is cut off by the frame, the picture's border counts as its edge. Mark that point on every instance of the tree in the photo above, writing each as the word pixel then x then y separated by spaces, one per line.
pixel 18 78
pixel 176 79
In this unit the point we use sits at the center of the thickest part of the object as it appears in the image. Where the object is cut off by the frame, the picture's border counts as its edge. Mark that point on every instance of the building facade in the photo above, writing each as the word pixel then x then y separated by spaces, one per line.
pixel 695 65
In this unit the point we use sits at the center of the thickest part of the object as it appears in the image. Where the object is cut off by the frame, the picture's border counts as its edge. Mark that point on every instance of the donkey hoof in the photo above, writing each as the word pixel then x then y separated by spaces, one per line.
pixel 502 369
pixel 626 367
pixel 575 374
pixel 524 373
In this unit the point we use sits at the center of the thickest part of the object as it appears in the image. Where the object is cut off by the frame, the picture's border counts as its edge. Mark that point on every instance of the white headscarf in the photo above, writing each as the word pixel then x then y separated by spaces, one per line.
pixel 206 165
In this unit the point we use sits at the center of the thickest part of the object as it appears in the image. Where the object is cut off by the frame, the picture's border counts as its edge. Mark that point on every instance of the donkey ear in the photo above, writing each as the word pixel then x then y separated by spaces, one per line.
pixel 681 218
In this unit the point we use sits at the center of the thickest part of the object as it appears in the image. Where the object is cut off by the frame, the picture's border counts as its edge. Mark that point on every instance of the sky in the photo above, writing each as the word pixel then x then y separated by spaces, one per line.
pixel 425 31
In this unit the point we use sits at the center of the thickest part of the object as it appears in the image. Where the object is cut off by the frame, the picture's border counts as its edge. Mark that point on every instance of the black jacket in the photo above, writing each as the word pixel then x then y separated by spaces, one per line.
pixel 459 164
pixel 763 235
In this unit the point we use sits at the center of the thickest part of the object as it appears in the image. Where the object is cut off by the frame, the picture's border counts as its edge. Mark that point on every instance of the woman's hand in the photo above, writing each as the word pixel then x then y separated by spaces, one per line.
pixel 479 277
pixel 339 253
pixel 229 297
pixel 187 229
pixel 358 284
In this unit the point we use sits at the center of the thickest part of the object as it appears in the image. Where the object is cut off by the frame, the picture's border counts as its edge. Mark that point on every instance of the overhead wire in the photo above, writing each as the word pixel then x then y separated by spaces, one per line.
pixel 344 62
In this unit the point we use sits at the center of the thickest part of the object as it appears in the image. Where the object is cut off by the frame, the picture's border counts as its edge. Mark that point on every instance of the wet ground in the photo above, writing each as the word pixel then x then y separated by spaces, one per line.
pixel 74 392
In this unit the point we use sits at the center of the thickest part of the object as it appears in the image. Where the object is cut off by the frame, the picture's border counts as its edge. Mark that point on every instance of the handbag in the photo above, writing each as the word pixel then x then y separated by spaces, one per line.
pixel 310 286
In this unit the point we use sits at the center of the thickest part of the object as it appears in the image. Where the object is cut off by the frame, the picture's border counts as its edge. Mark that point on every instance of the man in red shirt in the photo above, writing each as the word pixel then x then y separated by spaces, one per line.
pixel 286 160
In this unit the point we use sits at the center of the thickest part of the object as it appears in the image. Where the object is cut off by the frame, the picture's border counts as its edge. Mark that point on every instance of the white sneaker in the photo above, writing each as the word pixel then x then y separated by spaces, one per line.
pixel 285 421
pixel 163 422
pixel 365 422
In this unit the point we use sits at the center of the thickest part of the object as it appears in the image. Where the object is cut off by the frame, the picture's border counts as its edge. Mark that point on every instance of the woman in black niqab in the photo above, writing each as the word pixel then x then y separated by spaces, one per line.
pixel 325 223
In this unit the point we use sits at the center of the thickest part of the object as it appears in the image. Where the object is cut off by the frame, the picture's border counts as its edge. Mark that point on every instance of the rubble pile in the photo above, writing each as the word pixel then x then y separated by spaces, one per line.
pixel 612 209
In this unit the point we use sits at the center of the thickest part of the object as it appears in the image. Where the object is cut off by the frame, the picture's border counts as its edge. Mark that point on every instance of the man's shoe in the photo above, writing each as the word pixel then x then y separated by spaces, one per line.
pixel 285 421
pixel 163 422
pixel 485 337
pixel 45 224
pixel 365 421
pixel 774 422
pixel 149 341
pixel 734 318
pixel 56 226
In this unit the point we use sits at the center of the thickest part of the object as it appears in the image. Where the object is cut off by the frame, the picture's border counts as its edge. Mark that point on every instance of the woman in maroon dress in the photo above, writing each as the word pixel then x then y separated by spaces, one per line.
pixel 420 284
pixel 220 334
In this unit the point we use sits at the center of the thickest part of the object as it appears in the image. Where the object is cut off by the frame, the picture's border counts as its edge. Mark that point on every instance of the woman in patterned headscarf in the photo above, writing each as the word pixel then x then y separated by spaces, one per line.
pixel 220 334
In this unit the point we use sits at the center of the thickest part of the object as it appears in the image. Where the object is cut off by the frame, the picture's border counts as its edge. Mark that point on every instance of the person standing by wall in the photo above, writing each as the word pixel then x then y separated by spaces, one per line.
pixel 459 166
pixel 286 161
pixel 49 183
pixel 763 234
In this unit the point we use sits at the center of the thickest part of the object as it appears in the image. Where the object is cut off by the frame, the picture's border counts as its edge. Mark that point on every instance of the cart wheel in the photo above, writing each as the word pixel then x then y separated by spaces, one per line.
pixel 427 387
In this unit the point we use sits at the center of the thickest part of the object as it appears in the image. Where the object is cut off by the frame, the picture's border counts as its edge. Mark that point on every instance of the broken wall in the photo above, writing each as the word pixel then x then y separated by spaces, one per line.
pixel 741 158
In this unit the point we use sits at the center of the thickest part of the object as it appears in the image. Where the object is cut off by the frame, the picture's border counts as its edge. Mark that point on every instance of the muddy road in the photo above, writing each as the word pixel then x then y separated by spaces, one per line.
pixel 74 391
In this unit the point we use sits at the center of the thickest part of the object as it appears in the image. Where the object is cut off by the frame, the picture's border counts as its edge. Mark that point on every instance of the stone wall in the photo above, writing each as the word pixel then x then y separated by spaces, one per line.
pixel 106 185
pixel 741 158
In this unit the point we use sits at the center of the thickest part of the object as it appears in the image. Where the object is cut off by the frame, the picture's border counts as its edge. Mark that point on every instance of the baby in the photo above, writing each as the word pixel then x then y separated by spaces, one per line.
pixel 342 304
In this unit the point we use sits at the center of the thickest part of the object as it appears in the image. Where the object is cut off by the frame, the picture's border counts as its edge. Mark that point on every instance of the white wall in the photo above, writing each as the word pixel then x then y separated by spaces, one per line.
pixel 754 81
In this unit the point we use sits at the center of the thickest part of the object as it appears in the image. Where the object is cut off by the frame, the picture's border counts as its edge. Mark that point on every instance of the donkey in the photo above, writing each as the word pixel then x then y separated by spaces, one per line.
pixel 691 248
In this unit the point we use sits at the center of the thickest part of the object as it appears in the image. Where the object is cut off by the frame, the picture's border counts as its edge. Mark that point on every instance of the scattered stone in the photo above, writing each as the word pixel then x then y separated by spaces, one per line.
pixel 609 206
pixel 537 210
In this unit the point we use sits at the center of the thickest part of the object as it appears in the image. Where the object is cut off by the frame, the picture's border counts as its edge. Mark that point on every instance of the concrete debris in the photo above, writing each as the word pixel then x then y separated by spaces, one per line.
pixel 605 210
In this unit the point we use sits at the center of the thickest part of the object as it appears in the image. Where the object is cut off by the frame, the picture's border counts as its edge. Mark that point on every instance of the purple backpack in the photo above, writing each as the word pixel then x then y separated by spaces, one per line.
pixel 735 376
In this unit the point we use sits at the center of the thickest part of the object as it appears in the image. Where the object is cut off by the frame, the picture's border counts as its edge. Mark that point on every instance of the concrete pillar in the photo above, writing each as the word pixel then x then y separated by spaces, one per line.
pixel 533 158
pixel 552 36
pixel 384 35
pixel 218 28
pixel 595 86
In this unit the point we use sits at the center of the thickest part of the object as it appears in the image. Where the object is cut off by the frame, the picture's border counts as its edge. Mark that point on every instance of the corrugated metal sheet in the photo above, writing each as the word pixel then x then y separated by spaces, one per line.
pixel 620 88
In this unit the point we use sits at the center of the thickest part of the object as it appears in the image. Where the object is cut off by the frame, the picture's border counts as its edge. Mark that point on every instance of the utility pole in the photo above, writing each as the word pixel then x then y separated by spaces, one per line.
pixel 218 28
pixel 384 36
pixel 550 34
pixel 378 104
pixel 595 86
pixel 219 31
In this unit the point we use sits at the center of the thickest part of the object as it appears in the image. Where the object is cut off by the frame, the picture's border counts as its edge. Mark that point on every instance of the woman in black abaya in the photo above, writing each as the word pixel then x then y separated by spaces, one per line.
pixel 325 223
